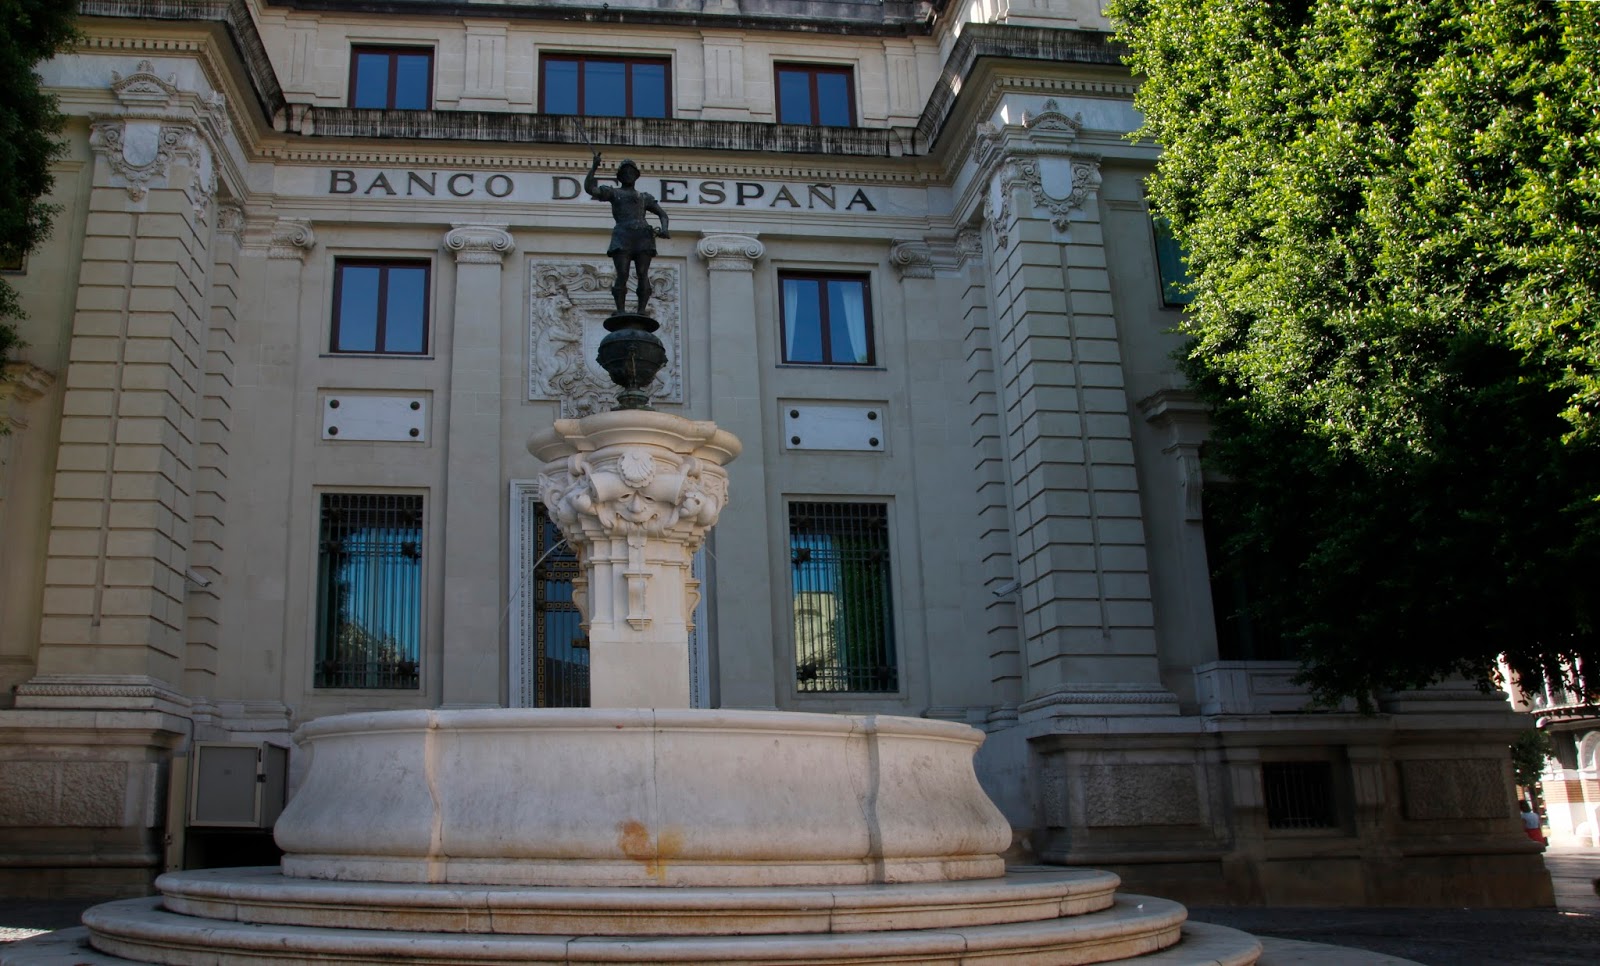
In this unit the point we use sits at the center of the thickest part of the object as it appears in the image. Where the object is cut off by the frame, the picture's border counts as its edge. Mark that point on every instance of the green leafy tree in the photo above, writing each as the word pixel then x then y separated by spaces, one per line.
pixel 30 31
pixel 1392 218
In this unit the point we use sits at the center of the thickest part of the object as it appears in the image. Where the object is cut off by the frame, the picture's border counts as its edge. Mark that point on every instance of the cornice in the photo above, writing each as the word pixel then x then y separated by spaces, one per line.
pixel 895 18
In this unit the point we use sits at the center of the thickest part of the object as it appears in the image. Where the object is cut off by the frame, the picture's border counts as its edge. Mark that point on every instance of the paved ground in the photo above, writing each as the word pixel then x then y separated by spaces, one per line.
pixel 1566 936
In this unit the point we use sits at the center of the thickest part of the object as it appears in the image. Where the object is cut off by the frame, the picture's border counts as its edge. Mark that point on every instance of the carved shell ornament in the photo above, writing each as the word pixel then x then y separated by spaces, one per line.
pixel 636 468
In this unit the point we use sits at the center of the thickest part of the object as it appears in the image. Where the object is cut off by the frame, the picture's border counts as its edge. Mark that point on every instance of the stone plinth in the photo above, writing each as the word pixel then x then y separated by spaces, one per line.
pixel 601 797
pixel 635 493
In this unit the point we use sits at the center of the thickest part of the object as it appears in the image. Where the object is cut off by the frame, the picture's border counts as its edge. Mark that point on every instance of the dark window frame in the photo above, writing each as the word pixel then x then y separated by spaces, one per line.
pixel 363 666
pixel 1172 269
pixel 824 322
pixel 811 71
pixel 845 544
pixel 381 326
pixel 392 52
pixel 629 60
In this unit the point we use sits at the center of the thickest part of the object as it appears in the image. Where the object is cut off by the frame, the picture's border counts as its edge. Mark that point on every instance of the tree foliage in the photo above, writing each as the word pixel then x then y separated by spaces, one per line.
pixel 1528 754
pixel 1392 216
pixel 30 31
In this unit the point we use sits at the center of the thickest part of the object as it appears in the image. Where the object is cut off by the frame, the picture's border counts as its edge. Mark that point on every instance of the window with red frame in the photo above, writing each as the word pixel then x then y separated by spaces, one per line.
pixel 816 94
pixel 594 86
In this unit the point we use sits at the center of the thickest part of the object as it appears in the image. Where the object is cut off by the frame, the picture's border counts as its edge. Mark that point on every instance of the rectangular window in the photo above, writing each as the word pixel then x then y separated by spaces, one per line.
pixel 604 86
pixel 843 615
pixel 816 95
pixel 826 319
pixel 1172 264
pixel 369 591
pixel 561 649
pixel 1299 794
pixel 391 77
pixel 380 306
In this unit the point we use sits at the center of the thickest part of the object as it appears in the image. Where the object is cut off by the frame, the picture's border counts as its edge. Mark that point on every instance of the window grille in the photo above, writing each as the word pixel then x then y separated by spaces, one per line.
pixel 561 650
pixel 369 591
pixel 843 618
pixel 1299 794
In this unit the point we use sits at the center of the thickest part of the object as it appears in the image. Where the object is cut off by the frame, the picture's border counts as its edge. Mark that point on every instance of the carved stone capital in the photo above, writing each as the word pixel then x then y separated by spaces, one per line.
pixel 1185 422
pixel 291 238
pixel 913 259
pixel 479 244
pixel 230 220
pixel 635 492
pixel 727 252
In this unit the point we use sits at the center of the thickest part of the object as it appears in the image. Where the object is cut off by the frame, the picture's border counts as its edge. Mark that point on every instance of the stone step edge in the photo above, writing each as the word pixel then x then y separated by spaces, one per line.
pixel 261 896
pixel 137 929
pixel 1202 944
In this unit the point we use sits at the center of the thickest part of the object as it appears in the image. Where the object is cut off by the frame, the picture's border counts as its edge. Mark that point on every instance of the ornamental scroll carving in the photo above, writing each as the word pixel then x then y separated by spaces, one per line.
pixel 568 301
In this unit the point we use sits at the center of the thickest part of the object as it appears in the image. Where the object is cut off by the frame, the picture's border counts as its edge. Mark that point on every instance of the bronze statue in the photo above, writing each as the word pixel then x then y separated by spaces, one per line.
pixel 633 241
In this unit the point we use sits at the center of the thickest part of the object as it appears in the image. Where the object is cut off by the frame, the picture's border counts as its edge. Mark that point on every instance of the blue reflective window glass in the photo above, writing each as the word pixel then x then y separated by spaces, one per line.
pixel 802 308
pixel 560 87
pixel 847 315
pixel 605 89
pixel 389 77
pixel 833 99
pixel 411 73
pixel 358 309
pixel 407 318
pixel 649 90
pixel 811 94
pixel 370 87
pixel 827 319
pixel 380 307
pixel 794 97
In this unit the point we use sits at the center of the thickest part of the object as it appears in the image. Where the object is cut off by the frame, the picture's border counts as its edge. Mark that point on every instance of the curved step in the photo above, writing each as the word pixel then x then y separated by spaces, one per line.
pixel 138 929
pixel 262 896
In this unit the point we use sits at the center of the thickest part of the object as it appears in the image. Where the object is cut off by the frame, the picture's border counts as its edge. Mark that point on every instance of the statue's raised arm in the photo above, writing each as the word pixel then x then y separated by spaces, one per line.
pixel 633 240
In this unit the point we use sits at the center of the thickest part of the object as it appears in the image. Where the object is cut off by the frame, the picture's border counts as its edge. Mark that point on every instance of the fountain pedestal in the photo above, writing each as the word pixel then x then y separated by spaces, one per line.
pixel 634 493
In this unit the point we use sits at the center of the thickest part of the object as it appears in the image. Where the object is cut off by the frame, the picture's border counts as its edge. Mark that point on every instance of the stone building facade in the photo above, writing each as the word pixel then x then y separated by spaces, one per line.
pixel 320 271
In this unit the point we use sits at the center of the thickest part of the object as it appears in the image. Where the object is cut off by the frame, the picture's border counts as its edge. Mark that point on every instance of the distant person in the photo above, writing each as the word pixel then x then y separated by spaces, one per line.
pixel 1531 823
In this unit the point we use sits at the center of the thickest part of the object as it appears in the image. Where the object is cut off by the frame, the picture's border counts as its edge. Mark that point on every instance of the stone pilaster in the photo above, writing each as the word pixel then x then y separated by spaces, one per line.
pixel 743 596
pixel 85 748
pixel 271 263
pixel 635 492
pixel 24 496
pixel 1084 577
pixel 472 584
pixel 996 547
pixel 121 516
pixel 205 576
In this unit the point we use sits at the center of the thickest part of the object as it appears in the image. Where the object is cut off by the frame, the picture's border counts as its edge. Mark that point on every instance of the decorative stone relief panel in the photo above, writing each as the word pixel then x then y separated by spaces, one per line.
pixel 1459 788
pixel 568 301
pixel 1122 796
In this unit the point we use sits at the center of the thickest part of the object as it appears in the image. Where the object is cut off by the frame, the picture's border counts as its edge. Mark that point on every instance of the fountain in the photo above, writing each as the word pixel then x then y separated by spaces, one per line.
pixel 638 830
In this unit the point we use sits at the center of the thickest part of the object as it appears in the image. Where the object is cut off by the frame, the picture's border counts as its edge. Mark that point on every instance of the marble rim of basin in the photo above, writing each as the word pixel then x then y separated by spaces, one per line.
pixel 640 797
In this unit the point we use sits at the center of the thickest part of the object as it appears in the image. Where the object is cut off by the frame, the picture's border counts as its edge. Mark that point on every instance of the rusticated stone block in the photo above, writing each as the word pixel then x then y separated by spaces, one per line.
pixel 1460 788
pixel 79 794
pixel 1119 796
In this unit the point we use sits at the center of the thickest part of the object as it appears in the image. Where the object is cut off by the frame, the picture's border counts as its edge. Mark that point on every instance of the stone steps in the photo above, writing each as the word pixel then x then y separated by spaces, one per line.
pixel 141 931
pixel 264 897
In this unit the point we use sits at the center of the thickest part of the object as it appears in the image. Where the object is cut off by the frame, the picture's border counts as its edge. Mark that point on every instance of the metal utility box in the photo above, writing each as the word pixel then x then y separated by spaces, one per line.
pixel 237 785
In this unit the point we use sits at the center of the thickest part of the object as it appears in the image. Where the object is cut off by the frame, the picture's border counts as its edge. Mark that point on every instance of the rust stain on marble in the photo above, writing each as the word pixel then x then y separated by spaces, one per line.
pixel 633 838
